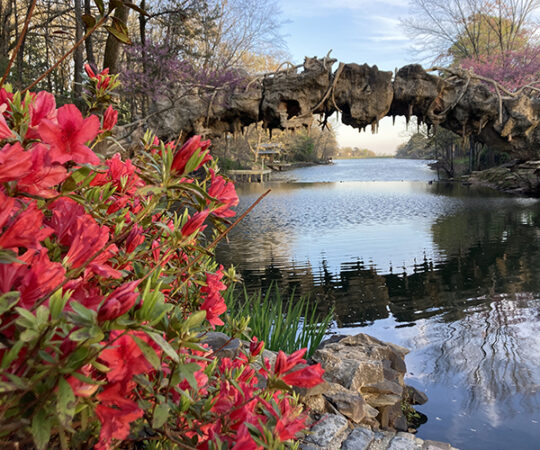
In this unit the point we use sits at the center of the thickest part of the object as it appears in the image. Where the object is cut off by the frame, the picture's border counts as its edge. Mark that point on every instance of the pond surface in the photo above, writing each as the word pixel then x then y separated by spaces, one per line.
pixel 450 272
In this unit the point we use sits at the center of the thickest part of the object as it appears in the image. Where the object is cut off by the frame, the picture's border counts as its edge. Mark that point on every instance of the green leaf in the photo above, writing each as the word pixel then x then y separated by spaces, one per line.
pixel 41 428
pixel 187 371
pixel 100 6
pixel 28 335
pixel 9 300
pixel 9 257
pixel 12 354
pixel 148 352
pixel 26 318
pixel 57 302
pixel 82 314
pixel 161 414
pixel 90 334
pixel 119 34
pixel 165 346
pixel 195 319
pixel 65 405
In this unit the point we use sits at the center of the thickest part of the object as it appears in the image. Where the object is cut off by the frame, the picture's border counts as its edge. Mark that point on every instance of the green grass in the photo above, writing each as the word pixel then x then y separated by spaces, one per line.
pixel 286 326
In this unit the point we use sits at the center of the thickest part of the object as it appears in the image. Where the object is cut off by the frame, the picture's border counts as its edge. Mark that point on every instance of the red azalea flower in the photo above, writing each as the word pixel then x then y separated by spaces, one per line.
pixel 43 176
pixel 119 302
pixel 68 136
pixel 110 117
pixel 26 230
pixel 5 132
pixel 5 98
pixel 85 293
pixel 15 163
pixel 124 357
pixel 8 208
pixel 186 152
pixel 195 223
pixel 65 213
pixel 285 363
pixel 306 377
pixel 134 239
pixel 225 193
pixel 43 107
pixel 34 279
pixel 256 346
pixel 88 239
pixel 122 175
pixel 214 305
pixel 116 412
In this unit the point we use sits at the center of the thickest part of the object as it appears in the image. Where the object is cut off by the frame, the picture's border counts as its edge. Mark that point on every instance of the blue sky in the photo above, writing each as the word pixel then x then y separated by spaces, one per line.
pixel 357 31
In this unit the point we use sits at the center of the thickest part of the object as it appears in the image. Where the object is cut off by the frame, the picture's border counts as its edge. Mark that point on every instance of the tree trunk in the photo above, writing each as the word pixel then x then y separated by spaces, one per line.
pixel 78 54
pixel 111 58
pixel 89 42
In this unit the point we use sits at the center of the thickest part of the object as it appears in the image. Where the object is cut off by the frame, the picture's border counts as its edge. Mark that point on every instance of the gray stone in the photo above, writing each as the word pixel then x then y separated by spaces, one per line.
pixel 413 396
pixel 403 441
pixel 222 345
pixel 349 404
pixel 328 433
pixel 359 439
pixel 381 440
pixel 434 445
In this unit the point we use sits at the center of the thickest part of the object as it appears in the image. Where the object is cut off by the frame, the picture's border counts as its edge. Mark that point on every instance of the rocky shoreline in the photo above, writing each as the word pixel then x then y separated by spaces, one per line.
pixel 363 400
pixel 513 178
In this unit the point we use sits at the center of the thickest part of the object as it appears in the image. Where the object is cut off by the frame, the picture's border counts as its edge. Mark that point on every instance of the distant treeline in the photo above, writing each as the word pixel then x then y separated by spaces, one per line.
pixel 356 153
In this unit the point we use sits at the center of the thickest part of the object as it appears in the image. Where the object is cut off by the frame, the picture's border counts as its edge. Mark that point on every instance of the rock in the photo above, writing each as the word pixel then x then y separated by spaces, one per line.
pixel 364 95
pixel 359 439
pixel 413 396
pixel 349 404
pixel 223 345
pixel 369 367
pixel 328 433
pixel 402 441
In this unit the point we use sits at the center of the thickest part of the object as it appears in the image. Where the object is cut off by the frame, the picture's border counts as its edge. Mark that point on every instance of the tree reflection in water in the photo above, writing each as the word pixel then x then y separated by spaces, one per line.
pixel 468 306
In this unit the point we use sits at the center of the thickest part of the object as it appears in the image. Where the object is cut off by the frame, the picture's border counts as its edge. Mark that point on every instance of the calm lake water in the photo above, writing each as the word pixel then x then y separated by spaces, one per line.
pixel 450 272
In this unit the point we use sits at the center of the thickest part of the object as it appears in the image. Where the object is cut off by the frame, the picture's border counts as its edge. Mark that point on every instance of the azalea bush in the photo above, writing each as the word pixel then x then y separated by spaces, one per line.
pixel 108 285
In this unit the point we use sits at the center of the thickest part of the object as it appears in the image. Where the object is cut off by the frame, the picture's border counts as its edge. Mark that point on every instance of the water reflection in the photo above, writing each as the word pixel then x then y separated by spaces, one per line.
pixel 449 271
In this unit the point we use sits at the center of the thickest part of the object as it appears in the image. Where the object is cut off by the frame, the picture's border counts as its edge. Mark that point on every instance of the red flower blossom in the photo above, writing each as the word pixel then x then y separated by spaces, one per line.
pixel 43 176
pixel 225 193
pixel 116 412
pixel 65 213
pixel 305 377
pixel 124 356
pixel 88 239
pixel 119 302
pixel 256 346
pixel 134 239
pixel 214 305
pixel 68 136
pixel 186 152
pixel 122 175
pixel 85 293
pixel 37 277
pixel 110 117
pixel 5 132
pixel 195 223
pixel 15 163
pixel 25 230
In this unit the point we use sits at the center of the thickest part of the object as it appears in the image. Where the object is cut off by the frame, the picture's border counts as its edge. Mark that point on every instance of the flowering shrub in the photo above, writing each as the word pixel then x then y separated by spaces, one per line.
pixel 108 285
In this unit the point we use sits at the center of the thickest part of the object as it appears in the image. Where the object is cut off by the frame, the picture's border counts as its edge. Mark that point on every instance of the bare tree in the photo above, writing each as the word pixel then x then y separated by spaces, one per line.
pixel 447 29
